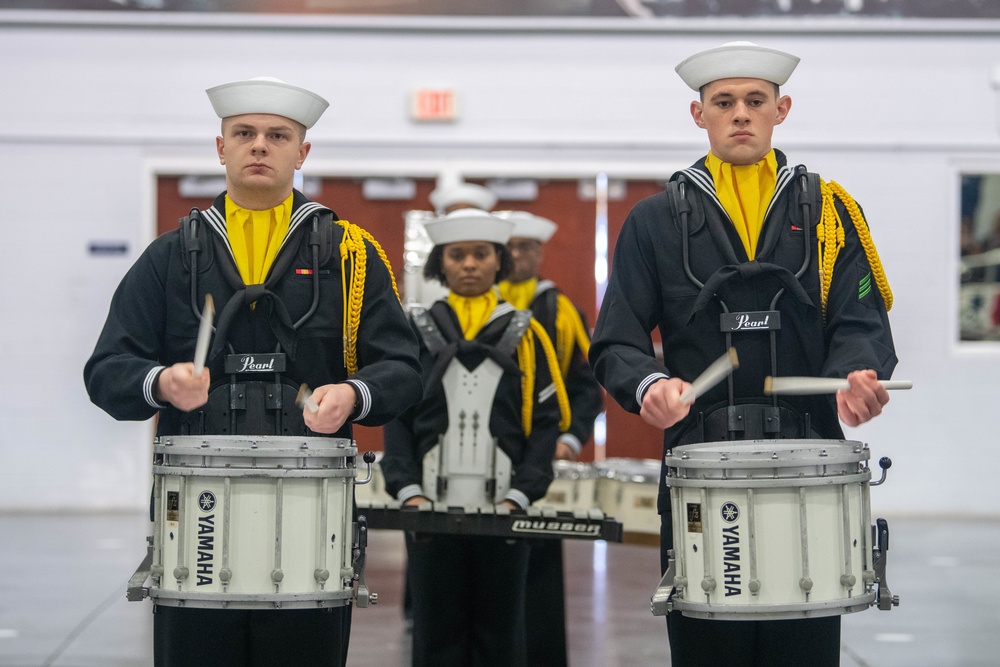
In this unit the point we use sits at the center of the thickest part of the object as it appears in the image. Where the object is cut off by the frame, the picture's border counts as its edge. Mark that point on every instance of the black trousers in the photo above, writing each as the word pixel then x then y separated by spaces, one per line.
pixel 545 611
pixel 468 601
pixel 186 636
pixel 696 642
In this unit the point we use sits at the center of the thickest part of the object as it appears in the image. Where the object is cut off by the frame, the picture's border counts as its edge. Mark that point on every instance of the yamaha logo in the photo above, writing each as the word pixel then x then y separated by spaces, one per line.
pixel 730 512
pixel 206 501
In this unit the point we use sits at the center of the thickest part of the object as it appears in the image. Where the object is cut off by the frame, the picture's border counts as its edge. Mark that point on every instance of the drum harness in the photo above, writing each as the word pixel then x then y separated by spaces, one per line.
pixel 439 464
pixel 742 420
pixel 244 402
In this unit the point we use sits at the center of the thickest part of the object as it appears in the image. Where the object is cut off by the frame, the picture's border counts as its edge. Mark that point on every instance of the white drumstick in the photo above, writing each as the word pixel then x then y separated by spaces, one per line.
pixel 304 399
pixel 204 335
pixel 800 386
pixel 713 375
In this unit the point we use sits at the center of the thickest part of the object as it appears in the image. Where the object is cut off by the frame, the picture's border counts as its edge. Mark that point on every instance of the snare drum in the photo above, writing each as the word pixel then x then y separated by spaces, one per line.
pixel 573 487
pixel 767 530
pixel 627 490
pixel 245 522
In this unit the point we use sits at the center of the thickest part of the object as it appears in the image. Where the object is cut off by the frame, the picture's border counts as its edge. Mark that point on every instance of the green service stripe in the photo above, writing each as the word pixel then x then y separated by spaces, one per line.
pixel 863 292
pixel 866 281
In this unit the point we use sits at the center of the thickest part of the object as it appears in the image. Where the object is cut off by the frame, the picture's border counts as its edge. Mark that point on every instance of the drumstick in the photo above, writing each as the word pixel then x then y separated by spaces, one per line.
pixel 800 386
pixel 715 373
pixel 204 335
pixel 304 399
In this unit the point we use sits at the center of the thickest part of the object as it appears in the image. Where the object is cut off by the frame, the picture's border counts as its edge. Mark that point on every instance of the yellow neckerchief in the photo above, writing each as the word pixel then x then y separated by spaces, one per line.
pixel 520 295
pixel 745 192
pixel 255 237
pixel 473 311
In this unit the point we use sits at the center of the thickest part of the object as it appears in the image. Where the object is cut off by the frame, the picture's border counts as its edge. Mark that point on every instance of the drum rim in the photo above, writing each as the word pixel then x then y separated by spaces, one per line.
pixel 337 598
pixel 772 611
pixel 620 469
pixel 794 454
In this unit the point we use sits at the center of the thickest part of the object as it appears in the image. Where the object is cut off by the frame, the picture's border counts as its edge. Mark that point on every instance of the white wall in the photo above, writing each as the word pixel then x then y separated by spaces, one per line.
pixel 893 111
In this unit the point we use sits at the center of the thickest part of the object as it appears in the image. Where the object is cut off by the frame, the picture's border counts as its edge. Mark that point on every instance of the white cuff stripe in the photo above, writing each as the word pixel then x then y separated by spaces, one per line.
pixel 644 385
pixel 572 441
pixel 366 399
pixel 518 498
pixel 410 491
pixel 147 387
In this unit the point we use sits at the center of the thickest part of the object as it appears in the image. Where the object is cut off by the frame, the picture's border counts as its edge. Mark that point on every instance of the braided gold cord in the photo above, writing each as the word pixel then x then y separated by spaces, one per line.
pixel 864 235
pixel 381 253
pixel 569 329
pixel 557 379
pixel 354 254
pixel 526 360
pixel 830 235
pixel 828 232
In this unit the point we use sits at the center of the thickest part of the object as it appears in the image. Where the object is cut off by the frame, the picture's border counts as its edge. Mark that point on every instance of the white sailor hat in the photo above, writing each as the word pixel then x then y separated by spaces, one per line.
pixel 451 190
pixel 266 94
pixel 529 226
pixel 468 224
pixel 744 60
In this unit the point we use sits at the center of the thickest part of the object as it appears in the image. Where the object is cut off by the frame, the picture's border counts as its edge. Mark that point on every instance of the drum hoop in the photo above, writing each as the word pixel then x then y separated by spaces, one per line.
pixel 775 611
pixel 312 600
pixel 254 446
pixel 285 473
pixel 762 462
pixel 775 482
pixel 640 471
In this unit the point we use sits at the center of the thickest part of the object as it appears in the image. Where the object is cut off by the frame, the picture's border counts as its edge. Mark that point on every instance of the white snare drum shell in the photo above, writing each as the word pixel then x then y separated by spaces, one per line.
pixel 264 535
pixel 627 490
pixel 573 487
pixel 770 529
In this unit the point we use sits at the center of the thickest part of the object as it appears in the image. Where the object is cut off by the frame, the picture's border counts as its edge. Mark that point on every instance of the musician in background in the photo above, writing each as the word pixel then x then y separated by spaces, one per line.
pixel 524 289
pixel 482 437
pixel 452 193
pixel 744 231
pixel 276 263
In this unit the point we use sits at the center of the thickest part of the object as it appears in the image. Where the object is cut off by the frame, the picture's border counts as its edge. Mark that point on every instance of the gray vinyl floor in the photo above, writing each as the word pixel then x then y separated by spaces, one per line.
pixel 62 602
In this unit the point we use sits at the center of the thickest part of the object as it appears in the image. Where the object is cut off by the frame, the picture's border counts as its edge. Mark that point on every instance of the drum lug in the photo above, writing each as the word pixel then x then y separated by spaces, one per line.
pixel 362 596
pixel 884 597
pixel 662 600
pixel 136 592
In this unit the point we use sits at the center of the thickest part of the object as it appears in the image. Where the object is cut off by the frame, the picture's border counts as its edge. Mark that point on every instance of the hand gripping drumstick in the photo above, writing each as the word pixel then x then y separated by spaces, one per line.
pixel 800 386
pixel 304 399
pixel 204 335
pixel 715 373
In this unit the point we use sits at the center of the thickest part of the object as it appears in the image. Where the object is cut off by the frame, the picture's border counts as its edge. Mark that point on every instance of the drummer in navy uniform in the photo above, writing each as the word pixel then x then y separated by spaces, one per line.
pixel 525 289
pixel 272 259
pixel 482 438
pixel 743 230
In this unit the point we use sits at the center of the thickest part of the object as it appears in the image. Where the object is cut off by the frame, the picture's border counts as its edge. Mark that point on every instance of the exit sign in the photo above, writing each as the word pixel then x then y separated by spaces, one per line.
pixel 434 105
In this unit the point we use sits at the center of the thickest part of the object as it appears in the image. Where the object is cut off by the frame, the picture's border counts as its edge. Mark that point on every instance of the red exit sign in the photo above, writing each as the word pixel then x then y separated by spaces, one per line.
pixel 434 104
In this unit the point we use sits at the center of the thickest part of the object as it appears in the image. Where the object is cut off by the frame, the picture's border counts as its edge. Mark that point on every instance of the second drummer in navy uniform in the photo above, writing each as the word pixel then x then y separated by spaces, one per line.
pixel 280 267
pixel 483 438
pixel 743 235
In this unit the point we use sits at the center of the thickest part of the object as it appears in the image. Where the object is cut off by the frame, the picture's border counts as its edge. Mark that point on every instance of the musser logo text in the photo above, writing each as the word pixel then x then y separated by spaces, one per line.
pixel 555 527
